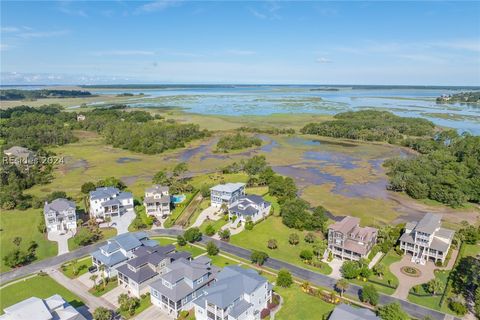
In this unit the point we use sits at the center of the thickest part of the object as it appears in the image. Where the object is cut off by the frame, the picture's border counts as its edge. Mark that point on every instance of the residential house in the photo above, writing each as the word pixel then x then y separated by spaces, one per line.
pixel 347 240
pixel 80 117
pixel 236 294
pixel 109 202
pixel 157 201
pixel 347 312
pixel 60 215
pixel 20 156
pixel 53 308
pixel 119 250
pixel 249 206
pixel 427 240
pixel 226 194
pixel 147 266
pixel 182 282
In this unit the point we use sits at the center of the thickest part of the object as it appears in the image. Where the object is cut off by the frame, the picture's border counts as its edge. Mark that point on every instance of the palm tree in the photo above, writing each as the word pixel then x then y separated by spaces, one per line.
pixel 342 285
pixel 74 267
pixel 101 268
pixel 94 278
pixel 435 285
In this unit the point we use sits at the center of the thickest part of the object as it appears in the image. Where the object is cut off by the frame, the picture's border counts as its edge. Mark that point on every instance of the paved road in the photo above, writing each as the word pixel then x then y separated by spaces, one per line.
pixel 313 277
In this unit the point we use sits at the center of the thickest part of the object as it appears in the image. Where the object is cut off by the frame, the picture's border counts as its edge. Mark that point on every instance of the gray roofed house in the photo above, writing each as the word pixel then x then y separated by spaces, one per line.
pixel 180 284
pixel 237 293
pixel 109 202
pixel 146 266
pixel 157 201
pixel 60 215
pixel 347 312
pixel 120 249
pixel 426 240
pixel 52 308
pixel 20 156
pixel 249 207
pixel 226 194
pixel 347 240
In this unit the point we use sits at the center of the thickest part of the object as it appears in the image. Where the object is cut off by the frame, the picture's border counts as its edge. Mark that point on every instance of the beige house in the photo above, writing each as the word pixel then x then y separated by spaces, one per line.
pixel 347 240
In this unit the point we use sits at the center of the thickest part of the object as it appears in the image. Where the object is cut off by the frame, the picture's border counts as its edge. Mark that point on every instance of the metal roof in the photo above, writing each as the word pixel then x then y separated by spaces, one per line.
pixel 347 312
pixel 228 187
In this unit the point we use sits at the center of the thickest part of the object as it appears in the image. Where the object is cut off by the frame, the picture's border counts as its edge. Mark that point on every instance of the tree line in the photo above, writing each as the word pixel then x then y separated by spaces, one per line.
pixel 371 125
pixel 237 141
pixel 17 94
pixel 447 169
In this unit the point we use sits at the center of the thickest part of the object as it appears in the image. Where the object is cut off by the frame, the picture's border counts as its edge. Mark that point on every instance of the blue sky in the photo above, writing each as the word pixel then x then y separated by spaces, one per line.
pixel 386 42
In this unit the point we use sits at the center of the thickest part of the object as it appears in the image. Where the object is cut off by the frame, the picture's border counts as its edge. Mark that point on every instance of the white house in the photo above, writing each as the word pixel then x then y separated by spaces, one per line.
pixel 426 239
pixel 249 206
pixel 226 194
pixel 60 215
pixel 237 294
pixel 157 201
pixel 109 202
pixel 53 308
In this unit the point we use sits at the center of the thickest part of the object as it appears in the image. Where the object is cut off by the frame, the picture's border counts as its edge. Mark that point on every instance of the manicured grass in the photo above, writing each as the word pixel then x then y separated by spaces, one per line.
pixel 82 266
pixel 100 290
pixel 106 232
pixel 222 262
pixel 273 228
pixel 39 286
pixel 23 224
pixel 260 191
pixel 163 241
pixel 144 304
pixel 300 305
pixel 471 250
pixel 426 299
pixel 217 225
pixel 194 250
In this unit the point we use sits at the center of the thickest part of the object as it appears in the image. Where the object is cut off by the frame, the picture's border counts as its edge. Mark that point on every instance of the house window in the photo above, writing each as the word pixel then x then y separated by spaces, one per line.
pixel 199 280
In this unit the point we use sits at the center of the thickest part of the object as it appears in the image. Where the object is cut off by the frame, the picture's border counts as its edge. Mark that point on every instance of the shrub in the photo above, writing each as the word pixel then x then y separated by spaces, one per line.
pixel 457 307
pixel 249 225
pixel 284 278
pixel 258 257
pixel 272 244
pixel 224 234
pixel 181 240
pixel 192 235
pixel 209 230
pixel 212 249
pixel 310 237
pixel 369 295
pixel 306 255
pixel 293 239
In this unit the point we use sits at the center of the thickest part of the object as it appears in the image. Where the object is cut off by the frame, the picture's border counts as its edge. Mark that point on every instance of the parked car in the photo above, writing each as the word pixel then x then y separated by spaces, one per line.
pixel 92 269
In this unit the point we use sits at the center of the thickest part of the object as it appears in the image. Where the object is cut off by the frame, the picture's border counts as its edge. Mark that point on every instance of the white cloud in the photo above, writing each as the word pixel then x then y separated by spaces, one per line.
pixel 123 53
pixel 9 29
pixel 42 34
pixel 4 47
pixel 268 11
pixel 323 60
pixel 73 12
pixel 241 52
pixel 158 5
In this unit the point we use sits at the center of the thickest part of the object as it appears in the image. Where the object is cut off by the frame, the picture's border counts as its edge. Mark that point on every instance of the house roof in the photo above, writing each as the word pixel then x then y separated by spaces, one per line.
pixel 153 255
pixel 103 192
pixel 126 241
pixel 248 205
pixel 162 199
pixel 59 205
pixel 239 308
pixel 347 312
pixel 429 223
pixel 18 151
pixel 228 187
pixel 110 260
pixel 179 271
pixel 157 188
pixel 232 283
pixel 141 275
pixel 112 202
pixel 345 225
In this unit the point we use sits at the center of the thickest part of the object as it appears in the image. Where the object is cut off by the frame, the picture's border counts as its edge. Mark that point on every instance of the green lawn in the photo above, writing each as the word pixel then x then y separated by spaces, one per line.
pixel 222 262
pixel 300 305
pixel 82 266
pixel 194 250
pixel 273 228
pixel 144 304
pixel 107 234
pixel 426 299
pixel 163 241
pixel 38 286
pixel 216 225
pixel 18 223
pixel 471 250
pixel 100 290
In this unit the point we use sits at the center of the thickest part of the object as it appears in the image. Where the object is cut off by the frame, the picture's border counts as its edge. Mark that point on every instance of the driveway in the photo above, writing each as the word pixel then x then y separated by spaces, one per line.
pixel 112 295
pixel 153 312
pixel 405 283
pixel 62 240
pixel 85 279
pixel 336 265
pixel 121 223
pixel 207 213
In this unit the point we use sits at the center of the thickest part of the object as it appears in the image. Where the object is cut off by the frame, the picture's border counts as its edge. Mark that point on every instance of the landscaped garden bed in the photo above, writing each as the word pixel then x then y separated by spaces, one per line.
pixel 411 271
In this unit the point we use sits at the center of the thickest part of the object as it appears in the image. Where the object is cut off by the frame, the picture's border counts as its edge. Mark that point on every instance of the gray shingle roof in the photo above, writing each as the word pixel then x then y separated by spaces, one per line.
pixel 429 223
pixel 103 192
pixel 141 275
pixel 59 205
pixel 111 260
pixel 228 187
pixel 347 312
pixel 157 188
pixel 232 282
pixel 239 308
pixel 248 205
